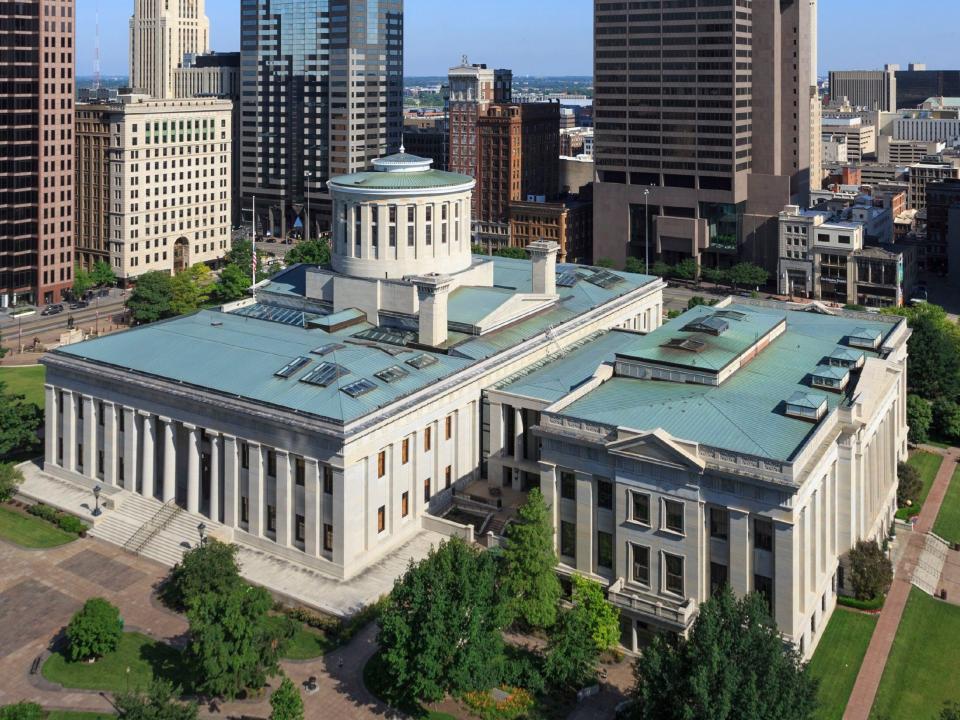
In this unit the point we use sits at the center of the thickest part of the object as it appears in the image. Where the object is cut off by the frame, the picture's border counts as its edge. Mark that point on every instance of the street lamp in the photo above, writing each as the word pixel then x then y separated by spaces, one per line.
pixel 97 512
pixel 306 191
pixel 646 228
pixel 202 531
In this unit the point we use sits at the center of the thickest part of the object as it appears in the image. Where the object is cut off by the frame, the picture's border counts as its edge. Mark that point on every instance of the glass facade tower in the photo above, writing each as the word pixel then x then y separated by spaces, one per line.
pixel 321 95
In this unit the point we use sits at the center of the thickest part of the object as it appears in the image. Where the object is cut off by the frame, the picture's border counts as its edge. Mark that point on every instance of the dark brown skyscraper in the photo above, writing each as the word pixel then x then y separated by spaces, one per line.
pixel 702 116
pixel 36 121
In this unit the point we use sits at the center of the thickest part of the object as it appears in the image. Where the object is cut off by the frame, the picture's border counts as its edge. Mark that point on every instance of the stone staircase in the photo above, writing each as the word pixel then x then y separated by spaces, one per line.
pixel 149 528
pixel 926 574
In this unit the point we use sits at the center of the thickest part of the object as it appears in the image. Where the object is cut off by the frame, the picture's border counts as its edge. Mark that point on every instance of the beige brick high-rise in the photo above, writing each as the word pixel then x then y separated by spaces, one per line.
pixel 162 32
pixel 707 109
pixel 36 193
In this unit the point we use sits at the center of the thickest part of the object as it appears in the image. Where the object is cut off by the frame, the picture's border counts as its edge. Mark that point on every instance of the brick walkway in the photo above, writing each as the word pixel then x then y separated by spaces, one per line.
pixel 871 671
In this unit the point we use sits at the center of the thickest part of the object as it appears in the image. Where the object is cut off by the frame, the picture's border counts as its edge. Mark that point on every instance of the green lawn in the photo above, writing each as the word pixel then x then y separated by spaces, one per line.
pixel 72 715
pixel 927 464
pixel 837 659
pixel 30 531
pixel 306 644
pixel 136 662
pixel 947 524
pixel 922 670
pixel 25 381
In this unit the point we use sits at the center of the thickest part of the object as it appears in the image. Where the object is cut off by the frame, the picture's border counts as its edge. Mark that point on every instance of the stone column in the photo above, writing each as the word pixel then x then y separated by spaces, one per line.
pixel 110 443
pixel 169 461
pixel 347 530
pixel 193 468
pixel 69 430
pixel 130 449
pixel 548 486
pixel 786 570
pixel 517 446
pixel 89 437
pixel 741 554
pixel 214 513
pixel 50 429
pixel 312 519
pixel 255 497
pixel 284 498
pixel 497 449
pixel 148 472
pixel 585 513
pixel 231 481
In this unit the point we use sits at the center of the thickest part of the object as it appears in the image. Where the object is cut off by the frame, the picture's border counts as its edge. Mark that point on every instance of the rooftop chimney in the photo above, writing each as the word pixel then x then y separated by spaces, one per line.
pixel 543 256
pixel 433 291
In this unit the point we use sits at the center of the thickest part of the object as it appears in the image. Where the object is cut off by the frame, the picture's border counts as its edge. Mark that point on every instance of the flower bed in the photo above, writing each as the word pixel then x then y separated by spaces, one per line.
pixel 507 704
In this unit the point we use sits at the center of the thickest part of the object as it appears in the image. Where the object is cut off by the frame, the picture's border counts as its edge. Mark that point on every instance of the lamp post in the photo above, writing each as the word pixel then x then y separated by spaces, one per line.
pixel 97 512
pixel 306 191
pixel 202 531
pixel 646 229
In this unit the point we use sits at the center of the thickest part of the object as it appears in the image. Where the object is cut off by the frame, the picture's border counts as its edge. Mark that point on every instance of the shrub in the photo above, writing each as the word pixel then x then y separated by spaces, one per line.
pixel 71 524
pixel 324 623
pixel 517 704
pixel 919 418
pixel 159 702
pixel 43 511
pixel 286 703
pixel 872 604
pixel 22 711
pixel 909 485
pixel 10 479
pixel 871 572
pixel 94 630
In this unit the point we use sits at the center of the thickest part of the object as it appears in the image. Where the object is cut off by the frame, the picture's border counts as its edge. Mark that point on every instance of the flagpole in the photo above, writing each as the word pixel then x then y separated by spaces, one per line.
pixel 253 246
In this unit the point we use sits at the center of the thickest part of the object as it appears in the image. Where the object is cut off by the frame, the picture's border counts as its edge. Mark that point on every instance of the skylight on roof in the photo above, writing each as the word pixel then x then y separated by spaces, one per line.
pixel 392 374
pixel 688 344
pixel 291 367
pixel 358 388
pixel 711 324
pixel 568 278
pixel 421 361
pixel 730 314
pixel 327 349
pixel 324 374
pixel 388 336
pixel 604 279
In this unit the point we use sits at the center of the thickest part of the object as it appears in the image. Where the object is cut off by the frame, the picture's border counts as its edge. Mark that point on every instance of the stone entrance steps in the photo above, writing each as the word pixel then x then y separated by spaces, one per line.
pixel 166 545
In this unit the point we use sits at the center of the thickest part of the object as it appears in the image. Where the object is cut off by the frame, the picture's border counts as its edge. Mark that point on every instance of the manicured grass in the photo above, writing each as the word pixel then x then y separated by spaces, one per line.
pixel 306 643
pixel 31 532
pixel 947 524
pixel 837 660
pixel 927 464
pixel 921 672
pixel 146 659
pixel 26 381
pixel 72 715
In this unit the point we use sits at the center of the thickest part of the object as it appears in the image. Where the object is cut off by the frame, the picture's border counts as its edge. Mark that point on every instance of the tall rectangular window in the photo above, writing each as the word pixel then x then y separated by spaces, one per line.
pixel 763 534
pixel 300 529
pixel 673 516
pixel 764 586
pixel 426 490
pixel 271 518
pixel 300 471
pixel 640 561
pixel 381 518
pixel 328 537
pixel 568 485
pixel 427 440
pixel 718 577
pixel 673 573
pixel 604 494
pixel 448 427
pixel 405 451
pixel 640 508
pixel 381 463
pixel 604 550
pixel 405 504
pixel 719 523
pixel 448 474
pixel 328 481
pixel 568 539
pixel 244 509
pixel 271 463
pixel 245 456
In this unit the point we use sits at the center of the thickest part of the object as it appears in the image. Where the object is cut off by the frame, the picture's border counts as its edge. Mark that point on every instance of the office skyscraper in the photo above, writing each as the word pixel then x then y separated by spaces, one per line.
pixel 36 197
pixel 702 117
pixel 162 32
pixel 322 95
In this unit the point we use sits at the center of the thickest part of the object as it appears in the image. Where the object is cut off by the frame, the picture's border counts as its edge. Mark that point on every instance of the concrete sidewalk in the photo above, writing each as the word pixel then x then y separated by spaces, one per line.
pixel 874 662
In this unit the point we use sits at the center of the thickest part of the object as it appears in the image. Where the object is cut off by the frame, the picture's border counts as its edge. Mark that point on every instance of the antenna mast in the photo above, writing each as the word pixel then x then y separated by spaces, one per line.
pixel 96 54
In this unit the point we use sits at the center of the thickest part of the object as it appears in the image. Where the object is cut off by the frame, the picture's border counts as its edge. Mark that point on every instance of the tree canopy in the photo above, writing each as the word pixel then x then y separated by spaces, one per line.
pixel 311 252
pixel 94 630
pixel 286 703
pixel 604 618
pixel 733 666
pixel 211 566
pixel 919 418
pixel 232 284
pixel 19 422
pixel 152 298
pixel 747 274
pixel 528 578
pixel 440 631
pixel 102 274
pixel 241 255
pixel 190 289
pixel 934 352
pixel 159 702
pixel 871 572
pixel 82 281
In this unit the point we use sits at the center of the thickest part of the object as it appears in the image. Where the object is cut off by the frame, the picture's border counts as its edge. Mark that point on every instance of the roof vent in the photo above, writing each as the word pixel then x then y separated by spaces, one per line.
pixel 712 325
pixel 689 344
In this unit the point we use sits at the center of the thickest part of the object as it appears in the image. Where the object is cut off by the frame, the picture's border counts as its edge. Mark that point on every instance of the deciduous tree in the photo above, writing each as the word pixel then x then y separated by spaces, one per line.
pixel 82 281
pixel 440 631
pixel 151 299
pixel 10 479
pixel 159 702
pixel 94 630
pixel 572 652
pixel 733 666
pixel 909 484
pixel 102 274
pixel 946 419
pixel 312 252
pixel 748 275
pixel 871 572
pixel 19 422
pixel 919 418
pixel 286 703
pixel 604 618
pixel 191 289
pixel 208 567
pixel 22 711
pixel 528 579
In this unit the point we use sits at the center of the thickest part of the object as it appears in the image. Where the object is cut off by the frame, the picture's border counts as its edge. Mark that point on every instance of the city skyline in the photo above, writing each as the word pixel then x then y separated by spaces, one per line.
pixel 433 44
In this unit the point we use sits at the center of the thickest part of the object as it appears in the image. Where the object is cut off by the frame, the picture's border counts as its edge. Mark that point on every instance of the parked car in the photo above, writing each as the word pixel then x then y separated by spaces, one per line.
pixel 79 305
pixel 104 292
pixel 52 309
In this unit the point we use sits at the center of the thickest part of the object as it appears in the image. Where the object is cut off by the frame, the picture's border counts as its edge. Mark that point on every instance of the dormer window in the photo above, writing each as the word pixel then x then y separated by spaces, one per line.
pixel 806 406
pixel 863 338
pixel 830 377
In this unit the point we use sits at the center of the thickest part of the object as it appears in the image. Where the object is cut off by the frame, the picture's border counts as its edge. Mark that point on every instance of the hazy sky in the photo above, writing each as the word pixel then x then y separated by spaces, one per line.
pixel 554 37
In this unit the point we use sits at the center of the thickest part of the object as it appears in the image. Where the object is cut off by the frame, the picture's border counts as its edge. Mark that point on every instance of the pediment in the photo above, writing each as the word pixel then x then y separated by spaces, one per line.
pixel 656 447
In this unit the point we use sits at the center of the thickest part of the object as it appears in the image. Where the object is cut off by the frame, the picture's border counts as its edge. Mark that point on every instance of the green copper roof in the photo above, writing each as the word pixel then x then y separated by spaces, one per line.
pixel 423 180
pixel 745 414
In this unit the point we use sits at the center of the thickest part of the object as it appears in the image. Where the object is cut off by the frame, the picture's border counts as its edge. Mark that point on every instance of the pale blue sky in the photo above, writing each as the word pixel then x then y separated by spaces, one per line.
pixel 554 37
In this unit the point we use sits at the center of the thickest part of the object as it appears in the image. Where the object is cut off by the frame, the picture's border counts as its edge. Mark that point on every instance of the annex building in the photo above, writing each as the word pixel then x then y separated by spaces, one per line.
pixel 335 415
